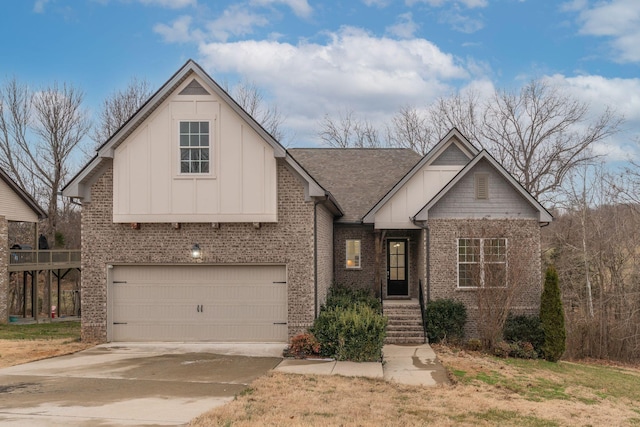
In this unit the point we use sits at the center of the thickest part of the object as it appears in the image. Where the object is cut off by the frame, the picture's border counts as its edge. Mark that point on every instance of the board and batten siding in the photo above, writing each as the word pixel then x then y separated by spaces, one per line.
pixel 12 207
pixel 396 213
pixel 503 202
pixel 148 186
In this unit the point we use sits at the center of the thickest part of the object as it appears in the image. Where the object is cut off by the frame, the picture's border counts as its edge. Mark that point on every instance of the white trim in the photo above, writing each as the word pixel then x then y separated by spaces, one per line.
pixel 358 256
pixel 74 187
pixel 177 148
pixel 481 262
pixel 453 137
pixel 543 214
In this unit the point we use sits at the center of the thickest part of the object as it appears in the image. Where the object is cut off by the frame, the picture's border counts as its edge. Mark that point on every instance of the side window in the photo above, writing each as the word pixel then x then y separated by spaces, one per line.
pixel 353 254
pixel 194 147
pixel 482 263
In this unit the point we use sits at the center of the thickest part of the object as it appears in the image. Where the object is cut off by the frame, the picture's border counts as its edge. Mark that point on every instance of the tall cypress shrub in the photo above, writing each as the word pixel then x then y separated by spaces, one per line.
pixel 552 317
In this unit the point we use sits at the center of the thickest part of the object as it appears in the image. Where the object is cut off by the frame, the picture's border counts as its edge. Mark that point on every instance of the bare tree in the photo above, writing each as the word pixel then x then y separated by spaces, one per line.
pixel 411 128
pixel 15 116
pixel 540 134
pixel 348 131
pixel 249 96
pixel 119 107
pixel 60 123
pixel 462 110
pixel 39 131
pixel 593 241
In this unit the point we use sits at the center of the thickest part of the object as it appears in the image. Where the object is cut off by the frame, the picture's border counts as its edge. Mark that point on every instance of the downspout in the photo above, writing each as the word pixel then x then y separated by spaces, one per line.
pixel 315 258
pixel 428 255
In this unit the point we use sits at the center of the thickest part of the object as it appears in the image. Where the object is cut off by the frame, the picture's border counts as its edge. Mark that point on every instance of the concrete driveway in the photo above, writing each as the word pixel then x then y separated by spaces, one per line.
pixel 130 384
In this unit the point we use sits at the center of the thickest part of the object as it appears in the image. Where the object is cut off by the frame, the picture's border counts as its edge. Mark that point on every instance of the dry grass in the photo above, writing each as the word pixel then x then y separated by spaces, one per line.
pixel 15 352
pixel 27 343
pixel 487 391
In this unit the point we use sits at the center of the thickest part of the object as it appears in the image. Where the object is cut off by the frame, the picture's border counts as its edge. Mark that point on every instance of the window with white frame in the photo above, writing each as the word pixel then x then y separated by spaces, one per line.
pixel 194 147
pixel 353 254
pixel 482 262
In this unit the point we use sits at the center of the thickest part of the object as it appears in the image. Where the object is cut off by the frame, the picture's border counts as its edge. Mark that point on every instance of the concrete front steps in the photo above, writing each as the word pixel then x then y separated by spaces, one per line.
pixel 405 322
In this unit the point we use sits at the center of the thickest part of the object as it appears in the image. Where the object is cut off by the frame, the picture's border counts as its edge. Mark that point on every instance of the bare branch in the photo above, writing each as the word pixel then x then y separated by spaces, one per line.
pixel 118 108
pixel 347 131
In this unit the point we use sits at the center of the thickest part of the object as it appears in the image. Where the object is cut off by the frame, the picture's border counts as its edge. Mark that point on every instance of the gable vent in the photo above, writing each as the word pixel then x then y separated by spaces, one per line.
pixel 482 186
pixel 194 88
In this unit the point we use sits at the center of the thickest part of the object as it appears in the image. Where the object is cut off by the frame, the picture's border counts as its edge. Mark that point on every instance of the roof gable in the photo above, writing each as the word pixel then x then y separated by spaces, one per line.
pixel 543 214
pixel 449 150
pixel 22 196
pixel 79 186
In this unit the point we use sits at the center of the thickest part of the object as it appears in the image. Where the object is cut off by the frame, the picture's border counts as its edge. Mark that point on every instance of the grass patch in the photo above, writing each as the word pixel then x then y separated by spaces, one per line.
pixel 489 392
pixel 41 331
pixel 505 418
pixel 603 381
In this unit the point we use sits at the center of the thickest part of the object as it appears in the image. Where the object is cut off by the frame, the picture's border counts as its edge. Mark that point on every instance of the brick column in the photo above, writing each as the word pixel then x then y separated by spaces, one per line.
pixel 4 270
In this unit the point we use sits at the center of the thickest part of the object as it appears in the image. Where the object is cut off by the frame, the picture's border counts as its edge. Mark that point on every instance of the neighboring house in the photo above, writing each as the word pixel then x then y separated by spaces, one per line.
pixel 198 226
pixel 16 205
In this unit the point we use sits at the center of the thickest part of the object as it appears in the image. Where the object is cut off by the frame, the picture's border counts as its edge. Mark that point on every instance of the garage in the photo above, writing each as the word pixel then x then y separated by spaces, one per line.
pixel 214 303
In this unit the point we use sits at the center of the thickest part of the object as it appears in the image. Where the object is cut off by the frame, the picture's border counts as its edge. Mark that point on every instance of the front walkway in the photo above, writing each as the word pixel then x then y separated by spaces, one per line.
pixel 403 364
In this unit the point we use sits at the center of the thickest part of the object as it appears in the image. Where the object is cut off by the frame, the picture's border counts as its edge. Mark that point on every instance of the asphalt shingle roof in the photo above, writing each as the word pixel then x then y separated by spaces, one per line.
pixel 357 177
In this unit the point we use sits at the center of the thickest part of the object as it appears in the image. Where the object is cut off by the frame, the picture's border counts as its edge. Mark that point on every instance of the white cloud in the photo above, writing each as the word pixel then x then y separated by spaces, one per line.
pixel 622 95
pixel 171 4
pixel 600 92
pixel 378 3
pixel 177 32
pixel 452 13
pixel 354 69
pixel 235 20
pixel 462 23
pixel 404 27
pixel 471 4
pixel 300 8
pixel 618 20
pixel 38 6
pixel 574 5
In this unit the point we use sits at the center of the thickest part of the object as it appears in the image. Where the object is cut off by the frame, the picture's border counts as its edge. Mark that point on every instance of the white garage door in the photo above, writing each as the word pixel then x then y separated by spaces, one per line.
pixel 245 303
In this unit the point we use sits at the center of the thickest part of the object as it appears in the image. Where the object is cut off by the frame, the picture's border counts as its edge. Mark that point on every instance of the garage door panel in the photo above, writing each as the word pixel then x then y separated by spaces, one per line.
pixel 199 303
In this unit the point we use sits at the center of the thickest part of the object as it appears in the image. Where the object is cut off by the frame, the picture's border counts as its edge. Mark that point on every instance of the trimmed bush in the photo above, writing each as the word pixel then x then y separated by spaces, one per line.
pixel 552 318
pixel 343 296
pixel 444 320
pixel 303 345
pixel 350 326
pixel 521 328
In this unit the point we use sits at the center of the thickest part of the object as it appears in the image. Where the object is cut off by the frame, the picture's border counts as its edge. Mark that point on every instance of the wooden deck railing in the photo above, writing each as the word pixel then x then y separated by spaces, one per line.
pixel 24 260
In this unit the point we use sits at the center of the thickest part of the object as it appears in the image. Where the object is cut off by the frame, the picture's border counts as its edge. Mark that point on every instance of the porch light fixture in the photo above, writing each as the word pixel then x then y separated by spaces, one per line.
pixel 196 252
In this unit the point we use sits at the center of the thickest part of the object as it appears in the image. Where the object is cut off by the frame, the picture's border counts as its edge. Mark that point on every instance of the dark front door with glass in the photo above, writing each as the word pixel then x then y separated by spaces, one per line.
pixel 397 268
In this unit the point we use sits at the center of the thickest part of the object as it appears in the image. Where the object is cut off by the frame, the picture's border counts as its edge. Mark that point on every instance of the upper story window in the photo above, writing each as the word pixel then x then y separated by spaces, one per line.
pixel 353 254
pixel 482 263
pixel 194 147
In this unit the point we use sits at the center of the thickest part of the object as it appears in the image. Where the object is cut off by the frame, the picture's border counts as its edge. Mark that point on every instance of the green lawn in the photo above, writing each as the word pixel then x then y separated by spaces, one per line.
pixel 39 331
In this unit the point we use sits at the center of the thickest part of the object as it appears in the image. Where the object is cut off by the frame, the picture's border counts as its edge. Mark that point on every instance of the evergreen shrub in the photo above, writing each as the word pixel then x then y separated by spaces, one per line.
pixel 445 319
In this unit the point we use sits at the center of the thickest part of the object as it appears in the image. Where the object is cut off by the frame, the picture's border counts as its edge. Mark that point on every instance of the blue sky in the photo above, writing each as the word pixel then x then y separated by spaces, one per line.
pixel 315 57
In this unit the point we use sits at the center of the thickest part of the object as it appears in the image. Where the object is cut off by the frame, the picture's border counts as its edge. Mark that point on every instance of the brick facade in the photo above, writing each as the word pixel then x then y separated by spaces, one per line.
pixel 324 236
pixel 4 270
pixel 289 241
pixel 523 258
pixel 364 277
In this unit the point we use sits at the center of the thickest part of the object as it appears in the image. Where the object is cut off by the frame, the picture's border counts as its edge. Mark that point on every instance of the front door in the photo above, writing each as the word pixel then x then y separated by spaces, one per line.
pixel 397 268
